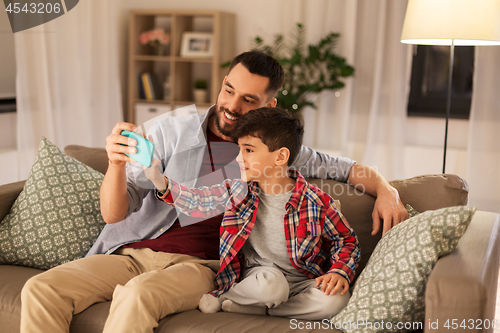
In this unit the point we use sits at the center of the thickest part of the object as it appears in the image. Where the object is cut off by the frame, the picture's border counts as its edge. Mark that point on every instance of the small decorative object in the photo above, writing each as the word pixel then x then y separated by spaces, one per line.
pixel 200 91
pixel 157 38
pixel 197 44
pixel 306 73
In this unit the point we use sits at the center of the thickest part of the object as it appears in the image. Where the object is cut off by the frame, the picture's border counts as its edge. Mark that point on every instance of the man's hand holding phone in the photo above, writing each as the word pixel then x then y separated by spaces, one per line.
pixel 125 145
pixel 117 145
pixel 144 148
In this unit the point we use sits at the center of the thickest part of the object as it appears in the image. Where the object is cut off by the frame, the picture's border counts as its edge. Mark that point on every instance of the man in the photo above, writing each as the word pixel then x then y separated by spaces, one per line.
pixel 157 265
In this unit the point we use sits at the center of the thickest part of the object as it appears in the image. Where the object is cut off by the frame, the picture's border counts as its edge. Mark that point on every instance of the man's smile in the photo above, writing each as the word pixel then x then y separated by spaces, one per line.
pixel 229 118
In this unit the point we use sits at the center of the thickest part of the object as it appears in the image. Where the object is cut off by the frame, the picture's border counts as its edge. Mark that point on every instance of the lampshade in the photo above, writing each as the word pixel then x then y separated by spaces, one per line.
pixel 438 22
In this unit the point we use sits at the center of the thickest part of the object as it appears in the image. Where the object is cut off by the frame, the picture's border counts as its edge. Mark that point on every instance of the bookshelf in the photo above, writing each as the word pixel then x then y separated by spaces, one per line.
pixel 181 71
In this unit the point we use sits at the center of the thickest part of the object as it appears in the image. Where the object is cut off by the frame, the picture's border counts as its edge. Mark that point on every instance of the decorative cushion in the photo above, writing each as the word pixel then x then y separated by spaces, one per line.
pixel 391 288
pixel 56 218
pixel 411 211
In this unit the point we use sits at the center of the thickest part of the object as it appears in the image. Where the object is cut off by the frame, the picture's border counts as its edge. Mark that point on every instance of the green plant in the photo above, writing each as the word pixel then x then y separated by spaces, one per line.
pixel 200 84
pixel 306 74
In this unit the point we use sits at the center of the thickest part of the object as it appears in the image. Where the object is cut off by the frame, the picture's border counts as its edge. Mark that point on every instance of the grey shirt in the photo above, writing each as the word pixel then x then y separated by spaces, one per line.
pixel 266 245
pixel 180 144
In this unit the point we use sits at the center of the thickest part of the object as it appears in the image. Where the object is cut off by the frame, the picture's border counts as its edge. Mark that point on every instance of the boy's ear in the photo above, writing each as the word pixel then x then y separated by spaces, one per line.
pixel 282 156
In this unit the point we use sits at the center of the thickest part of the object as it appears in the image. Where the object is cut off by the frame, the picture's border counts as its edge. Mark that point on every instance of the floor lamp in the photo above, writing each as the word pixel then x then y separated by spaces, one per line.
pixel 451 22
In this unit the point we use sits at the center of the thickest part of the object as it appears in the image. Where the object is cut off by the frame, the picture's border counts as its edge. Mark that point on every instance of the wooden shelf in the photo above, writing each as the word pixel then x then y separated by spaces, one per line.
pixel 152 58
pixel 160 101
pixel 192 102
pixel 154 101
pixel 169 58
pixel 191 59
pixel 181 71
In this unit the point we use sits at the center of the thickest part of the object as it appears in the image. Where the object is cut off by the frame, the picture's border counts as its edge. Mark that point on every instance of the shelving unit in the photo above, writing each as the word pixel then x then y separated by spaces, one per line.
pixel 181 71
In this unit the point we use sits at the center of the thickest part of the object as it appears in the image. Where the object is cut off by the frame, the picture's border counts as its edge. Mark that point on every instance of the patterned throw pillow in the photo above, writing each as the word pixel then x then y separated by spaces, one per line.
pixel 56 218
pixel 411 211
pixel 390 292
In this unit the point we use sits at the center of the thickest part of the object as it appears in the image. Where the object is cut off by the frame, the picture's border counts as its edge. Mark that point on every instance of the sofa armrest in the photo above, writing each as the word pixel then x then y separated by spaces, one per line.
pixel 463 284
pixel 9 194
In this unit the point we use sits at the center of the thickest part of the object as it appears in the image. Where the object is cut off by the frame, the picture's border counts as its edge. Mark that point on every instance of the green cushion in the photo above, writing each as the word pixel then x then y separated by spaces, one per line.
pixel 391 288
pixel 411 211
pixel 56 218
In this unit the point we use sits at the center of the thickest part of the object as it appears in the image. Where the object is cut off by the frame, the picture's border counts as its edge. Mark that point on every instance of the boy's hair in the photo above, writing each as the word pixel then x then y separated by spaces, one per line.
pixel 276 127
pixel 264 65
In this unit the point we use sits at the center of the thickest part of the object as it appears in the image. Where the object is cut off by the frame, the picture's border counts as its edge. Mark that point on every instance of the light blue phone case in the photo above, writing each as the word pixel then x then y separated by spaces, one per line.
pixel 145 149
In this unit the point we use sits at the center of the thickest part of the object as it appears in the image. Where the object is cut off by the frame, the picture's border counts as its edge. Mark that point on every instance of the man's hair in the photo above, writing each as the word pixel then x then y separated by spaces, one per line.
pixel 276 127
pixel 264 65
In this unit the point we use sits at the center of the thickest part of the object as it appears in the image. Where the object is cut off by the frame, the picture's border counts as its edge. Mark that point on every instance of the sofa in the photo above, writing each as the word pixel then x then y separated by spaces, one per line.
pixel 462 285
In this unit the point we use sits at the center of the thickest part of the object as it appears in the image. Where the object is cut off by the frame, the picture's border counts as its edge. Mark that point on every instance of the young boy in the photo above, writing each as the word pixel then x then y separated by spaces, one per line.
pixel 285 249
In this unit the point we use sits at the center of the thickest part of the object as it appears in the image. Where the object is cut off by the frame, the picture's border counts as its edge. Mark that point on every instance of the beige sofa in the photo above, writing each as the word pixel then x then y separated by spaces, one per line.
pixel 461 286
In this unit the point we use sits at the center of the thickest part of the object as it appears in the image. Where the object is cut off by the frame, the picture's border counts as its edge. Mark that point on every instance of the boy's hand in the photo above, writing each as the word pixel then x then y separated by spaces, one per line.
pixel 331 283
pixel 154 175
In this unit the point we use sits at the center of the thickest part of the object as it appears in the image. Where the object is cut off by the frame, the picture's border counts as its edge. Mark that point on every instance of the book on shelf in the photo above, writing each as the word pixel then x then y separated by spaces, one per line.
pixel 142 93
pixel 149 88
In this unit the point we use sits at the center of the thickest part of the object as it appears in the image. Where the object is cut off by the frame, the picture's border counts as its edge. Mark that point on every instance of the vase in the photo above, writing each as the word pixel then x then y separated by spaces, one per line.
pixel 160 49
pixel 200 95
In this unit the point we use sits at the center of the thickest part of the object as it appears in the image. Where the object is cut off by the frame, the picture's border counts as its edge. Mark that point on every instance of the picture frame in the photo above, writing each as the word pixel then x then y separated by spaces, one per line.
pixel 197 44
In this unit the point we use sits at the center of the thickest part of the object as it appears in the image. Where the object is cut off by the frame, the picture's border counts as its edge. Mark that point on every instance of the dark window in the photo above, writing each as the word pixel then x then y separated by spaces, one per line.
pixel 429 81
pixel 7 105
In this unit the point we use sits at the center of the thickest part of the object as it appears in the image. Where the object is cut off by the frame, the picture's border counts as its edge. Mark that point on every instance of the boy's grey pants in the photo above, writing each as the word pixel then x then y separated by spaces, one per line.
pixel 267 286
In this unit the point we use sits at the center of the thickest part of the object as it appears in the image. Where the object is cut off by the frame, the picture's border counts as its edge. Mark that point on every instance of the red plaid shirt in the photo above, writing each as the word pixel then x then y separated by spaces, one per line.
pixel 318 238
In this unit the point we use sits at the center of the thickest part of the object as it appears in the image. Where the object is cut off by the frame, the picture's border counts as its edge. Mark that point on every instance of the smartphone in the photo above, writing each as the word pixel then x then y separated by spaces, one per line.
pixel 145 149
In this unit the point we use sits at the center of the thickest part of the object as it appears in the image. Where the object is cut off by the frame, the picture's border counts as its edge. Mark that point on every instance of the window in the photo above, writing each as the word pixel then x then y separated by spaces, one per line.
pixel 429 81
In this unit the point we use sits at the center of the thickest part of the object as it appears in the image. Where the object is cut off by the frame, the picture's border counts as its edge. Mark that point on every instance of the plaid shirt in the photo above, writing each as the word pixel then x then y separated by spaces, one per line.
pixel 318 238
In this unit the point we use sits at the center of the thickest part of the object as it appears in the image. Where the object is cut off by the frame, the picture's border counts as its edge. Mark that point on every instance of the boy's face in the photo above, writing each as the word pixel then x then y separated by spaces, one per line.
pixel 241 92
pixel 256 162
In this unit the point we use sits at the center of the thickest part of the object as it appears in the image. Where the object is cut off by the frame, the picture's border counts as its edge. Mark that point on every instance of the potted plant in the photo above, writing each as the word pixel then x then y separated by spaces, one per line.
pixel 200 91
pixel 308 71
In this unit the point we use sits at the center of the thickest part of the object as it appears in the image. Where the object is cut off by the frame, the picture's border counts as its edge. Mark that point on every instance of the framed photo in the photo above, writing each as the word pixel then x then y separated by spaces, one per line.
pixel 197 44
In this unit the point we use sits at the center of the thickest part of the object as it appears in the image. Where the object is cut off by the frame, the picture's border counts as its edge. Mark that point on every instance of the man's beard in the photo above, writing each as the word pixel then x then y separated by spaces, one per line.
pixel 219 121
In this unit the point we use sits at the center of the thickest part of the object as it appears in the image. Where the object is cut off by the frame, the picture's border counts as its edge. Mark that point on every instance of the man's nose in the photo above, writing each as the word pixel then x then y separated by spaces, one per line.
pixel 234 106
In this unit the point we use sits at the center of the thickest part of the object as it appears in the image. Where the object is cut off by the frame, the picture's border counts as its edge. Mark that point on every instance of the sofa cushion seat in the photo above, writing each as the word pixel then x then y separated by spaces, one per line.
pixel 12 280
pixel 195 321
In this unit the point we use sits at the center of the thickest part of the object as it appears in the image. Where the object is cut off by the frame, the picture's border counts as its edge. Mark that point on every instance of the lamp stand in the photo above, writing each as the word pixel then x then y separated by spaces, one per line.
pixel 448 101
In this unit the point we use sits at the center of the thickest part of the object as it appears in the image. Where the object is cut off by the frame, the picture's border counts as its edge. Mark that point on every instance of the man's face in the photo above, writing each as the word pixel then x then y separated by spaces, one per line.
pixel 241 92
pixel 255 160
